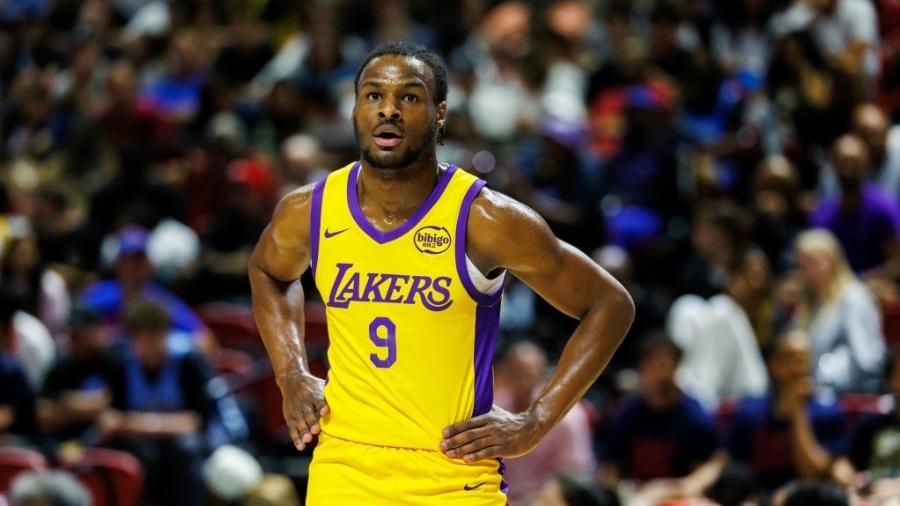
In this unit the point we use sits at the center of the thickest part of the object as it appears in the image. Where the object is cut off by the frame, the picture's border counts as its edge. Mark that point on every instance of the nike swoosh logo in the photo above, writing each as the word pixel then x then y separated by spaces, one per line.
pixel 473 487
pixel 329 235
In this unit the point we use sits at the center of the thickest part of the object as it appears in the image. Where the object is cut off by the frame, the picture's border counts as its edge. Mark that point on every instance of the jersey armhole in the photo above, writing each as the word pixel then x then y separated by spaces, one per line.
pixel 315 224
pixel 484 291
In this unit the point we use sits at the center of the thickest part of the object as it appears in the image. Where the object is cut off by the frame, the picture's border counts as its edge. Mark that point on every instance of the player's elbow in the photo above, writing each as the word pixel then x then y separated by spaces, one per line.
pixel 622 304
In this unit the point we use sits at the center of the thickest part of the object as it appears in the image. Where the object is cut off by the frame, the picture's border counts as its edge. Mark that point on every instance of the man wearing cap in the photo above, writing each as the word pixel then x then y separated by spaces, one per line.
pixel 76 390
pixel 134 279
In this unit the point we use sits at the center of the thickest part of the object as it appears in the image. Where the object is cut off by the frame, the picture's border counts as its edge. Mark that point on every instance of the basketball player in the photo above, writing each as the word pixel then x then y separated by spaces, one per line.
pixel 410 256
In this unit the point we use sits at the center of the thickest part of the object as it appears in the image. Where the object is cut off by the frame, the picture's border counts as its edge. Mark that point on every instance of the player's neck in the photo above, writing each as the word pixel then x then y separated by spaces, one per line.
pixel 396 192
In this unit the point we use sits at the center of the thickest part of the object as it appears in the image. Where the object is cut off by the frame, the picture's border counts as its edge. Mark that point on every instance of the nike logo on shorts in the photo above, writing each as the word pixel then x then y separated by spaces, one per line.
pixel 473 487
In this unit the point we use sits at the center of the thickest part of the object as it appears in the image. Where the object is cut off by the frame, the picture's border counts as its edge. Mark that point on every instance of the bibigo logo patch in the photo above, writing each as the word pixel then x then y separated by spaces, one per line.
pixel 432 240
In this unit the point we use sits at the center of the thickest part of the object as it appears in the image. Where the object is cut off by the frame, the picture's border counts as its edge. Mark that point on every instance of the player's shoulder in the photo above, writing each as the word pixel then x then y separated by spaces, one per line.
pixel 298 199
pixel 294 206
pixel 493 210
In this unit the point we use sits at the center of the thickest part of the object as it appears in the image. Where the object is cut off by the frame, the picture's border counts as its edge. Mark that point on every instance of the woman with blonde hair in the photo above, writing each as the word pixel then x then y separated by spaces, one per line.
pixel 840 315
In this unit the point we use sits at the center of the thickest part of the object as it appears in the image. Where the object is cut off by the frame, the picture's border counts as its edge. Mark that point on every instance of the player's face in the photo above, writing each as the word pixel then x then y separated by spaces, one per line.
pixel 395 118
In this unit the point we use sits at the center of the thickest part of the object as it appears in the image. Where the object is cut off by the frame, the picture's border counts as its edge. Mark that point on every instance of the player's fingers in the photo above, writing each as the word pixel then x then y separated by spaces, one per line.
pixel 311 417
pixel 472 447
pixel 490 452
pixel 324 410
pixel 302 427
pixel 465 437
pixel 465 425
pixel 295 437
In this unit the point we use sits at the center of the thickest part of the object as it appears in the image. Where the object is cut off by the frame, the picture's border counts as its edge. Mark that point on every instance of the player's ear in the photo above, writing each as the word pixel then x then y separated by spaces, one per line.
pixel 441 115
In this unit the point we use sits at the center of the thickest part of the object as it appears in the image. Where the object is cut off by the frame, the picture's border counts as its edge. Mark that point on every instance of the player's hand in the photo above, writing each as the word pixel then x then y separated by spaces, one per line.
pixel 303 403
pixel 497 433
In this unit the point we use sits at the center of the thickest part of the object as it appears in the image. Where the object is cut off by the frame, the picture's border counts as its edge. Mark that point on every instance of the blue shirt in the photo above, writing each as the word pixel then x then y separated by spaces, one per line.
pixel 761 440
pixel 106 297
pixel 648 444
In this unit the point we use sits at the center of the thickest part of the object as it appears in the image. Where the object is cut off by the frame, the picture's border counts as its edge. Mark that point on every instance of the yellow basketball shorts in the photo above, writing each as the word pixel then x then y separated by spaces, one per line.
pixel 344 473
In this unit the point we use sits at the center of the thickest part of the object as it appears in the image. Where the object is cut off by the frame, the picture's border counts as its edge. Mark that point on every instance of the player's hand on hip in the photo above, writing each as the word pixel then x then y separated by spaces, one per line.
pixel 303 402
pixel 497 433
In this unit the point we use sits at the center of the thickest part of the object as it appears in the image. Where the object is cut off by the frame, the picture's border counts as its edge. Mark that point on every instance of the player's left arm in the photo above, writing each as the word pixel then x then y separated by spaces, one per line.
pixel 513 237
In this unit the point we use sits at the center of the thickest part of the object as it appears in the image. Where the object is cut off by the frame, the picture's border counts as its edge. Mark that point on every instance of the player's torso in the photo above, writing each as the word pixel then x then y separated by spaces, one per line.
pixel 404 331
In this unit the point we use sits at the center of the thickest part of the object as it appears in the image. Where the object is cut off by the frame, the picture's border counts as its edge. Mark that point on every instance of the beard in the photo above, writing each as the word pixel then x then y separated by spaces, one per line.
pixel 393 160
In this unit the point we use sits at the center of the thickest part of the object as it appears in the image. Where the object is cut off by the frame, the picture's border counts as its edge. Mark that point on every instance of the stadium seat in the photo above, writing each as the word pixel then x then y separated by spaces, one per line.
pixel 227 361
pixel 17 460
pixel 112 477
pixel 233 326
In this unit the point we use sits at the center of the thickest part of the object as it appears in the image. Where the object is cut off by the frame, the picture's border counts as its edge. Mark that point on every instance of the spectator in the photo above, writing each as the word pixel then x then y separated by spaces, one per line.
pixel 718 238
pixel 16 399
pixel 847 30
pixel 76 390
pixel 134 280
pixel 871 445
pixel 301 162
pixel 160 407
pixel 865 220
pixel 567 447
pixel 883 141
pixel 721 351
pixel 778 210
pixel 840 315
pixel 50 488
pixel 25 337
pixel 739 40
pixel 42 290
pixel 790 432
pixel 661 432
pixel 818 493
pixel 574 490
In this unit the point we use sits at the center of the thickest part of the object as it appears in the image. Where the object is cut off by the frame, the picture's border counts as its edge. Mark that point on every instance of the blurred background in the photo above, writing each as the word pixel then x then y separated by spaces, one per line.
pixel 734 163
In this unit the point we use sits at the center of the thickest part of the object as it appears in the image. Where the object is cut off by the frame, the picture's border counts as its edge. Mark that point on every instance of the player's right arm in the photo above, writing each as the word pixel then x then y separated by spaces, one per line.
pixel 280 257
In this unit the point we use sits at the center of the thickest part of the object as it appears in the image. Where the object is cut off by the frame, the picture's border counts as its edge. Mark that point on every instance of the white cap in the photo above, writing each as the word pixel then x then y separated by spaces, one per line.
pixel 231 473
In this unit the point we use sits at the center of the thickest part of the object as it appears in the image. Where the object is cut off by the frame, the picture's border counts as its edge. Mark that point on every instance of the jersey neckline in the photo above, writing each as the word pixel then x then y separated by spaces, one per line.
pixel 382 237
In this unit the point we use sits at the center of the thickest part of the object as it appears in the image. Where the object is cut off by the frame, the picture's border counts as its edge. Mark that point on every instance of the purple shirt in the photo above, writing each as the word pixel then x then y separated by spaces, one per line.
pixel 864 232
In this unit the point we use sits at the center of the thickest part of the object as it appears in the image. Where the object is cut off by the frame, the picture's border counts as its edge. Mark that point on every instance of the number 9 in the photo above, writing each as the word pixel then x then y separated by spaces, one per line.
pixel 389 342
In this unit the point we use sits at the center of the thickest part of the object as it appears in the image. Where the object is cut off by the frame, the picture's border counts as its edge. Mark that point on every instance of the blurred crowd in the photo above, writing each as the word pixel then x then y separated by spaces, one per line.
pixel 734 163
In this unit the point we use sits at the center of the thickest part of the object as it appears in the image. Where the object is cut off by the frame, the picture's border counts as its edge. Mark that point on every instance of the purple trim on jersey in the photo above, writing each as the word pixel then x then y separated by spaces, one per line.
pixel 487 324
pixel 315 224
pixel 462 270
pixel 504 487
pixel 382 237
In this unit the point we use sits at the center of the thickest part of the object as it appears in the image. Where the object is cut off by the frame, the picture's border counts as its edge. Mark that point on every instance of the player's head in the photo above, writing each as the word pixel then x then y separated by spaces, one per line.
pixel 401 105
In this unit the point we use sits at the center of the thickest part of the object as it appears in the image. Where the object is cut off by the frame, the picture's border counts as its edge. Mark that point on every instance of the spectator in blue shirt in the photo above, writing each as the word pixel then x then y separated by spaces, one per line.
pixel 160 407
pixel 661 432
pixel 134 279
pixel 788 433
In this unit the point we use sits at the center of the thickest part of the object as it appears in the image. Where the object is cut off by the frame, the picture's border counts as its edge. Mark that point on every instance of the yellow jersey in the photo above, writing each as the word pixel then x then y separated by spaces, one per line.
pixel 411 337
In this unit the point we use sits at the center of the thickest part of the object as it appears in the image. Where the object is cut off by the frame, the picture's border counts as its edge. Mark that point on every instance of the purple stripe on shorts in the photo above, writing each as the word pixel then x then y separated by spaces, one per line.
pixel 315 224
pixel 383 237
pixel 487 323
pixel 461 269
